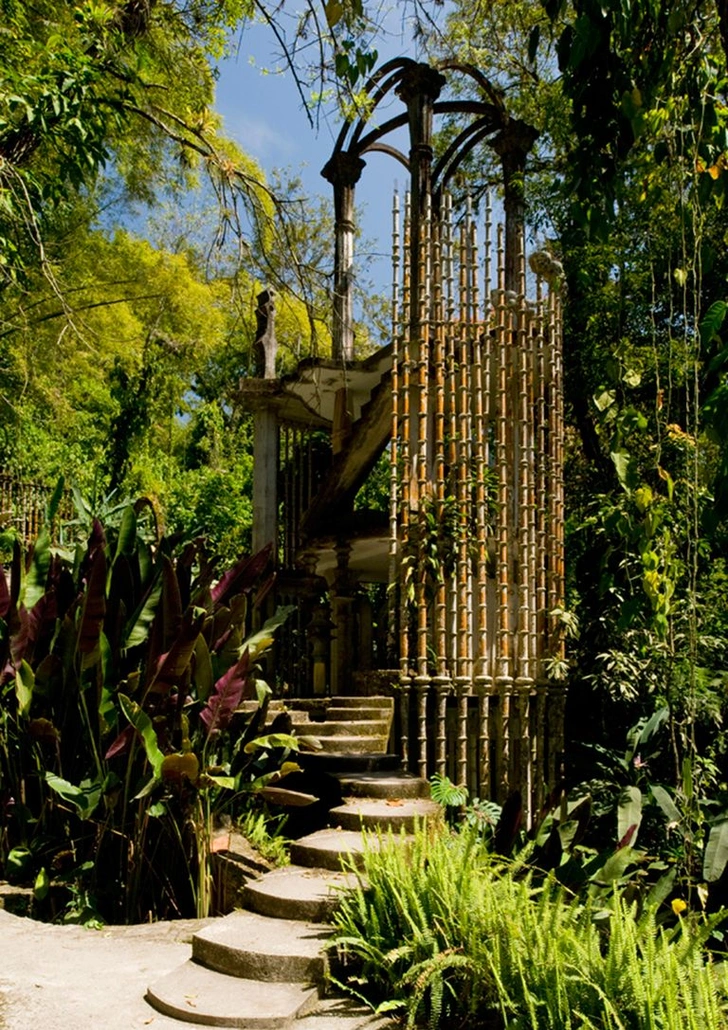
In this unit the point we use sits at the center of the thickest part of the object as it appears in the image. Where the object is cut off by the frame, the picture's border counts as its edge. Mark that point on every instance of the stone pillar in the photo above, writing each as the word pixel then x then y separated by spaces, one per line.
pixel 419 89
pixel 342 604
pixel 343 171
pixel 512 145
pixel 265 432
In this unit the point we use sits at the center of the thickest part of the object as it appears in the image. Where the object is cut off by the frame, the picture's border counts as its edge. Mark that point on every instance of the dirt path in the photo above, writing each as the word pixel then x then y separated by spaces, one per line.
pixel 68 978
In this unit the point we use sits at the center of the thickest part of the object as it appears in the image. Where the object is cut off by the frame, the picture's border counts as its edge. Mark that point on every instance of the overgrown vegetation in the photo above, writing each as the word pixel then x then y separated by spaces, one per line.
pixel 123 668
pixel 446 934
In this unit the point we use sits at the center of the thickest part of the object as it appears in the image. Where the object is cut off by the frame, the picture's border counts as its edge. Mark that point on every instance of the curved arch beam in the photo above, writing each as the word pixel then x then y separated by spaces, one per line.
pixel 377 89
pixel 496 96
pixel 384 148
pixel 461 146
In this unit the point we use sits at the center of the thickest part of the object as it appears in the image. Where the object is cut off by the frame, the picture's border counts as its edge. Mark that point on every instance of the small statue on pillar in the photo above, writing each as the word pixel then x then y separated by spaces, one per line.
pixel 265 347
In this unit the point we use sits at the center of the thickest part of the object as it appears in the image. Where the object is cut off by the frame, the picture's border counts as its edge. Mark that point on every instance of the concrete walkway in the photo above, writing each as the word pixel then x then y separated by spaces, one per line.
pixel 261 967
pixel 69 978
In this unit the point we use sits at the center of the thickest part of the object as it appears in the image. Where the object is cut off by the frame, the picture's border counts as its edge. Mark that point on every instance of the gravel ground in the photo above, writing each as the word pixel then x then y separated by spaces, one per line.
pixel 69 978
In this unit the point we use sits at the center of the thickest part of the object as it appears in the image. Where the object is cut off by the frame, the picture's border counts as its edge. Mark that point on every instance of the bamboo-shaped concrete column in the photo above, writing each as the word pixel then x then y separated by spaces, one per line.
pixel 265 430
pixel 343 171
pixel 441 244
pixel 483 414
pixel 419 88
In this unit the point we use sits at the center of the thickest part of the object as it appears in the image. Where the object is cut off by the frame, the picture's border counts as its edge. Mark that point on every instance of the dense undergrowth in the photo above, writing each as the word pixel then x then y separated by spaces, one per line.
pixel 448 935
pixel 123 665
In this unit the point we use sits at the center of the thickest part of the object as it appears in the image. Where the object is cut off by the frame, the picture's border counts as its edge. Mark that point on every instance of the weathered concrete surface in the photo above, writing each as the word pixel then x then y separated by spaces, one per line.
pixel 385 814
pixel 69 978
pixel 256 947
pixel 383 785
pixel 193 993
pixel 295 892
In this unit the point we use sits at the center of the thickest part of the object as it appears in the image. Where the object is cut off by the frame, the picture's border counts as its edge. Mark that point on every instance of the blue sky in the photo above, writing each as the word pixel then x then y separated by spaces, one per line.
pixel 264 114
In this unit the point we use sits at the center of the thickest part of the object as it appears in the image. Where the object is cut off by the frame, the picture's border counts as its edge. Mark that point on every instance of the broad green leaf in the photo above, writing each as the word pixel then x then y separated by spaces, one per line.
pixel 272 740
pixel 629 816
pixel 37 574
pixel 258 642
pixel 24 684
pixel 616 866
pixel 227 782
pixel 55 500
pixel 126 541
pixel 712 321
pixel 84 798
pixel 625 469
pixel 42 884
pixel 203 675
pixel 716 851
pixel 180 766
pixel 662 889
pixel 334 12
pixel 604 400
pixel 137 628
pixel 143 725
pixel 666 803
pixel 632 378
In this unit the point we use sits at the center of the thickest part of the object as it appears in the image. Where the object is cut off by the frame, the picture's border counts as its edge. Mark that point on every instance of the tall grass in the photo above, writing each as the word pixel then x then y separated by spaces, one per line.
pixel 453 937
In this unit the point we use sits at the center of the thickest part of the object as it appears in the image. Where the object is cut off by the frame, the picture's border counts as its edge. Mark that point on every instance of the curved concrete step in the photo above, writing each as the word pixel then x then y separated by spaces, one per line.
pixel 346 728
pixel 325 849
pixel 383 784
pixel 195 994
pixel 351 745
pixel 336 762
pixel 373 701
pixel 295 892
pixel 341 713
pixel 256 947
pixel 385 814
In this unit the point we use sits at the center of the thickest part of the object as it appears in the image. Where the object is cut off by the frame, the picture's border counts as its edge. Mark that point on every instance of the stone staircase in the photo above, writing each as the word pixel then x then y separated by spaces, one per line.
pixel 264 967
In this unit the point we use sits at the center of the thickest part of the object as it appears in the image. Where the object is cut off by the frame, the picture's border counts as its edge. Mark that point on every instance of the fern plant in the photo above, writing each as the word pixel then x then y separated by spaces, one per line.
pixel 453 937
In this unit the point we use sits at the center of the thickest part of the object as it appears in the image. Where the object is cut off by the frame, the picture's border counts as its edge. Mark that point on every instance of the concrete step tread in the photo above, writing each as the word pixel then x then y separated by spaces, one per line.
pixel 297 892
pixel 346 728
pixel 327 848
pixel 364 701
pixel 260 947
pixel 383 784
pixel 373 807
pixel 385 814
pixel 355 744
pixel 199 995
pixel 343 714
pixel 351 762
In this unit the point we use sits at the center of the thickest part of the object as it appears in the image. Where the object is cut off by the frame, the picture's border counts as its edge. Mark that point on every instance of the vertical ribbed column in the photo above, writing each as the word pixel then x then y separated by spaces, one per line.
pixel 424 498
pixel 464 596
pixel 394 595
pixel 481 407
pixel 441 681
pixel 405 474
pixel 524 459
pixel 503 656
pixel 542 523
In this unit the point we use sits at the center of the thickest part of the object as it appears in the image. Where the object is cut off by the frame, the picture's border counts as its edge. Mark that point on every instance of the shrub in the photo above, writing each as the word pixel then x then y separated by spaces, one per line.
pixel 453 937
pixel 122 669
